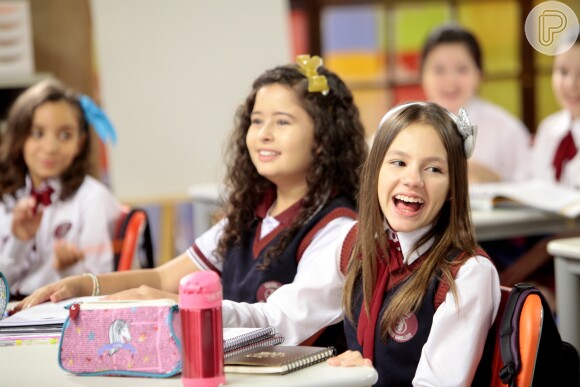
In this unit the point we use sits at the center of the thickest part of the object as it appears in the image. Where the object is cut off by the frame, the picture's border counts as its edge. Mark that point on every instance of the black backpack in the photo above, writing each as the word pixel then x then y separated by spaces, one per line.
pixel 557 362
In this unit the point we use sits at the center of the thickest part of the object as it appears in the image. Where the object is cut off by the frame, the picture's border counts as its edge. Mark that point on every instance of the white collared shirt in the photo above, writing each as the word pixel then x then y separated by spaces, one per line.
pixel 86 220
pixel 312 301
pixel 455 344
pixel 503 143
pixel 548 137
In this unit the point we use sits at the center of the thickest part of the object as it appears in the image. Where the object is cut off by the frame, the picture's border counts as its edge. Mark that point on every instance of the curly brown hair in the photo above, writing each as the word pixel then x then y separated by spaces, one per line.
pixel 13 168
pixel 338 152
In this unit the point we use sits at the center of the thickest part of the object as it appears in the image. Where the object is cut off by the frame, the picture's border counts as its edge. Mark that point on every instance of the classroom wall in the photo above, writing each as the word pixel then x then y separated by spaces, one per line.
pixel 171 75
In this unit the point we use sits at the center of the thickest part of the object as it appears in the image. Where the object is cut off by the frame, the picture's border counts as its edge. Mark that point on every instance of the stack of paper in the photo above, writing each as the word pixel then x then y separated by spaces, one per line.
pixel 41 321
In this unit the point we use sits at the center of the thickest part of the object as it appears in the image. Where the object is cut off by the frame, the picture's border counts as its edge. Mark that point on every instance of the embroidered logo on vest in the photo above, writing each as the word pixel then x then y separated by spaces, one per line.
pixel 62 229
pixel 266 289
pixel 405 329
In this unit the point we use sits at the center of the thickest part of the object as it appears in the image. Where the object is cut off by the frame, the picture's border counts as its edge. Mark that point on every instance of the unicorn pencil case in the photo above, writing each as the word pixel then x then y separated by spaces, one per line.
pixel 131 338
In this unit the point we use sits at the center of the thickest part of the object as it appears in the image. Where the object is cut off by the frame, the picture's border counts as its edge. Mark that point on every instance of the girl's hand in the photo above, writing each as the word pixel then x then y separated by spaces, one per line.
pixel 76 286
pixel 143 292
pixel 65 255
pixel 350 359
pixel 25 221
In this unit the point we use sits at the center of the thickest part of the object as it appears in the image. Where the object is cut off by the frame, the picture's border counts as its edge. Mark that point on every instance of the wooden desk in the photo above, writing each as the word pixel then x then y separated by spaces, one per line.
pixel 567 256
pixel 37 365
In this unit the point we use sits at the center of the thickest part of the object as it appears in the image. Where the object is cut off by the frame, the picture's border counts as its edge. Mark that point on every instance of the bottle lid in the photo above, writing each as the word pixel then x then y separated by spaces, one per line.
pixel 200 290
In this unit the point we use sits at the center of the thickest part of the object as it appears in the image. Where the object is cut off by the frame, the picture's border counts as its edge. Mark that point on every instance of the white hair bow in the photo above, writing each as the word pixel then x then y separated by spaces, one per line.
pixel 467 131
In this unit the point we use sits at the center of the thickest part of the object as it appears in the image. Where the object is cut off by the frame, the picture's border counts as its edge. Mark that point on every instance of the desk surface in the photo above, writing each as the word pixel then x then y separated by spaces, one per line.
pixel 502 223
pixel 37 365
pixel 565 247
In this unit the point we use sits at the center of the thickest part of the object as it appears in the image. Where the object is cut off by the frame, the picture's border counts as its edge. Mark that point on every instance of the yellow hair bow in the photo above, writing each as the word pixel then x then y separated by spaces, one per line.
pixel 308 66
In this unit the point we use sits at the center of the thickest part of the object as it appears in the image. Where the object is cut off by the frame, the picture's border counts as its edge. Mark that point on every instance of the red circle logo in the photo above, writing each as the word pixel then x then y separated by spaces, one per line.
pixel 405 329
pixel 266 289
pixel 62 229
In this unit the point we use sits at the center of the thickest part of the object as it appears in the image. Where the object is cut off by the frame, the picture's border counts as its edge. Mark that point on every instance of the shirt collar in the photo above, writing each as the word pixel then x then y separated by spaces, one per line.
pixel 54 183
pixel 286 217
pixel 407 240
pixel 574 124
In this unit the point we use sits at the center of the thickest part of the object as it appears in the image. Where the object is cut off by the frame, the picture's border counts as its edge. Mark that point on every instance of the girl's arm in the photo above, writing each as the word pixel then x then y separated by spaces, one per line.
pixel 311 302
pixel 452 352
pixel 17 230
pixel 161 282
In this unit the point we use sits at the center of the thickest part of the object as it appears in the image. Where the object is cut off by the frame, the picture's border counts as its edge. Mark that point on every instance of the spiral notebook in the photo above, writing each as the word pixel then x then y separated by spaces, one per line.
pixel 241 340
pixel 277 360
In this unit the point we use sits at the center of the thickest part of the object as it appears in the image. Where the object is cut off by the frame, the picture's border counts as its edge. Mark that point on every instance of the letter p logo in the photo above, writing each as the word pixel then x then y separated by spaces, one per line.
pixel 551 27
pixel 551 22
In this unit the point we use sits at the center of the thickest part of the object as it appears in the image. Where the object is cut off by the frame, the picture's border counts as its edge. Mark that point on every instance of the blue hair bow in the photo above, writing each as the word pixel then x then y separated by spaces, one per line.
pixel 98 119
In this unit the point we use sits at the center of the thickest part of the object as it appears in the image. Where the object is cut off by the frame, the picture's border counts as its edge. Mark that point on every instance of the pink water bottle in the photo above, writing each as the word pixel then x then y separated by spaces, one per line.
pixel 200 309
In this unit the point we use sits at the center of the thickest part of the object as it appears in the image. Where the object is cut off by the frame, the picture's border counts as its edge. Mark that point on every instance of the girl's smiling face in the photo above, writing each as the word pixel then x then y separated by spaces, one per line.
pixel 566 79
pixel 413 180
pixel 55 140
pixel 281 137
pixel 450 76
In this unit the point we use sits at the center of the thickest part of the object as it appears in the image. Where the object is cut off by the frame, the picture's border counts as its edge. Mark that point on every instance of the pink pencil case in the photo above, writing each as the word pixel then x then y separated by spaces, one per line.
pixel 131 338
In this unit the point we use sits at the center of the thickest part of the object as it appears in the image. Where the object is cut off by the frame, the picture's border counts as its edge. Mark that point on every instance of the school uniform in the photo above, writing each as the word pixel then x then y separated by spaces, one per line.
pixel 550 134
pixel 503 143
pixel 300 293
pixel 437 347
pixel 87 220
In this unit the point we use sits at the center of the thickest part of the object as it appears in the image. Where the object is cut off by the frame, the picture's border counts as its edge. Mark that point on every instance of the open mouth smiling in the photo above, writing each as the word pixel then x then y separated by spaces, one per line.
pixel 408 204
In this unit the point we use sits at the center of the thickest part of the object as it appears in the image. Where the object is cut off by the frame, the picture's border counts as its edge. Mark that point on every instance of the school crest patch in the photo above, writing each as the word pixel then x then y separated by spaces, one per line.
pixel 405 329
pixel 266 289
pixel 62 229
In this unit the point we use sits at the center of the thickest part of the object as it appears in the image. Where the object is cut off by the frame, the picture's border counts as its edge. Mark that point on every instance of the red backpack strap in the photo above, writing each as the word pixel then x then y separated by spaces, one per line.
pixel 444 285
pixel 334 214
pixel 348 247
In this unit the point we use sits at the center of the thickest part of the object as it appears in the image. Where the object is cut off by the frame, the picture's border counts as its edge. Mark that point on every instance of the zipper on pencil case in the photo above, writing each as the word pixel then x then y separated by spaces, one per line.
pixel 76 307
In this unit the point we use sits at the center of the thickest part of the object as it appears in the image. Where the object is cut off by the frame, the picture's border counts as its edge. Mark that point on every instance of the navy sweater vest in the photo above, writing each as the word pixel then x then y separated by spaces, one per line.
pixel 396 360
pixel 244 281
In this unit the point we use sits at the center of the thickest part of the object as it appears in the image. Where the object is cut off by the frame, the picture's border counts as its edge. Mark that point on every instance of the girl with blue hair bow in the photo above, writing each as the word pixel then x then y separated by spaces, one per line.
pixel 55 219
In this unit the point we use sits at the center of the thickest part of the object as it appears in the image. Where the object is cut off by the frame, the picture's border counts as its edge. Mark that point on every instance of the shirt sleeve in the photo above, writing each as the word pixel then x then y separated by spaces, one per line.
pixel 202 252
pixel 311 302
pixel 13 253
pixel 457 337
pixel 100 214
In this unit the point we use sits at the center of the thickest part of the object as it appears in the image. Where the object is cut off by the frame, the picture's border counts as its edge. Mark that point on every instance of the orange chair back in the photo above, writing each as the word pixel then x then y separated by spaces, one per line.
pixel 531 321
pixel 530 327
pixel 132 233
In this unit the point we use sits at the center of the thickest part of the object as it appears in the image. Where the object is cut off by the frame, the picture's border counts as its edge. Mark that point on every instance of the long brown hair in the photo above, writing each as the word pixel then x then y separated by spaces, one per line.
pixel 338 152
pixel 13 169
pixel 452 228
